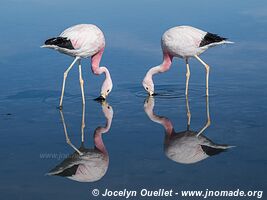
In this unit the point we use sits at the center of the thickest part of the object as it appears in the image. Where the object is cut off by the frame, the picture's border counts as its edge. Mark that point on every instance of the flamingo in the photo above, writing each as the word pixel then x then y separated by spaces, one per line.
pixel 82 41
pixel 186 147
pixel 183 42
pixel 86 164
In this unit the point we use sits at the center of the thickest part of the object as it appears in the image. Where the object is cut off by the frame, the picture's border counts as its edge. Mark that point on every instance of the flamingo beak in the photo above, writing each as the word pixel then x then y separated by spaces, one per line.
pixel 101 98
pixel 151 93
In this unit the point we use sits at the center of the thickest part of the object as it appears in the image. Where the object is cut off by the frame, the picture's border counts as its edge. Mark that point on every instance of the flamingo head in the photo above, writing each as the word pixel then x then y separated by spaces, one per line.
pixel 106 87
pixel 148 85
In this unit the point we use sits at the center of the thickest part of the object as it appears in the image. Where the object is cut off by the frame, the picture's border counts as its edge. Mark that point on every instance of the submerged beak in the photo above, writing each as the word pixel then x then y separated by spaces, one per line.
pixel 151 93
pixel 101 98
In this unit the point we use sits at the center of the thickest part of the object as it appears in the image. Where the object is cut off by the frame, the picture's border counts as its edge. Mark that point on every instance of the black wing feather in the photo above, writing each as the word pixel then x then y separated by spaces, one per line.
pixel 211 38
pixel 62 42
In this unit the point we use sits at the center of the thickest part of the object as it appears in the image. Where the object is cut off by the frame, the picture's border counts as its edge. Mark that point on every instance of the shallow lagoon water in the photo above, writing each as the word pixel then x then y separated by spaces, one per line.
pixel 31 125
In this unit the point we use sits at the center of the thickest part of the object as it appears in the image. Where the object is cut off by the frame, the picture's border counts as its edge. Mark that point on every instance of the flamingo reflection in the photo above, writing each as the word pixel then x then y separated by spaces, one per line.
pixel 86 164
pixel 187 146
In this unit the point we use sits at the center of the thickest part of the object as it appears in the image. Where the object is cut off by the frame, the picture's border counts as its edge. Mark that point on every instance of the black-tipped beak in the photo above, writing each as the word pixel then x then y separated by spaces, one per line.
pixel 100 99
pixel 152 93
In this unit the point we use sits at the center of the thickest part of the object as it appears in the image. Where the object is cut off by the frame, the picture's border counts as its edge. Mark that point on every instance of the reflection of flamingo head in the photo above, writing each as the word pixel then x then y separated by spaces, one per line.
pixel 107 110
pixel 108 113
pixel 149 105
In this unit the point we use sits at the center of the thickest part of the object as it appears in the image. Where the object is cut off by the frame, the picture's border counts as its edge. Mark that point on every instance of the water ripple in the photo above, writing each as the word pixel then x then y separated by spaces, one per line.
pixel 175 91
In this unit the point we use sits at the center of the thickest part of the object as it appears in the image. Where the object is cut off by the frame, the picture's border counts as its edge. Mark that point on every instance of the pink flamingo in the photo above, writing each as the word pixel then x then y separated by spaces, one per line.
pixel 82 41
pixel 183 42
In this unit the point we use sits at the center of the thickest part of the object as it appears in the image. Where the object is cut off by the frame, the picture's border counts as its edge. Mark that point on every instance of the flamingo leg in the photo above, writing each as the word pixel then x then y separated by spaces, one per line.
pixel 64 80
pixel 187 76
pixel 81 81
pixel 208 117
pixel 207 73
pixel 66 134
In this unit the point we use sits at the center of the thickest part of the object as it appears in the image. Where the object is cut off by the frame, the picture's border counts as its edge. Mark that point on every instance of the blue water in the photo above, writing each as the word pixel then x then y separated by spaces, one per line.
pixel 31 78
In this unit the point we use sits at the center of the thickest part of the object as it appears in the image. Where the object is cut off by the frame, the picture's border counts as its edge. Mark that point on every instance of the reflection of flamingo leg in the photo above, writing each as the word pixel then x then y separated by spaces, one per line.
pixel 188 113
pixel 83 124
pixel 208 117
pixel 66 135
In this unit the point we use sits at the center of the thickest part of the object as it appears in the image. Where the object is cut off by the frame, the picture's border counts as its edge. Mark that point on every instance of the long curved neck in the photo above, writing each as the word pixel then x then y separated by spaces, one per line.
pixel 97 70
pixel 105 70
pixel 96 62
pixel 164 66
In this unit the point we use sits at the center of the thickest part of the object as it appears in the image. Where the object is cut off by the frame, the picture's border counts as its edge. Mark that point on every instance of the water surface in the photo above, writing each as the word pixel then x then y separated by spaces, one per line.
pixel 32 127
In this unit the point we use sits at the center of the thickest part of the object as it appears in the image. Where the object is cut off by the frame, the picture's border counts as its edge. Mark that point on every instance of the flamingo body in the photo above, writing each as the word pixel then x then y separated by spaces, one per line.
pixel 82 41
pixel 183 42
pixel 187 41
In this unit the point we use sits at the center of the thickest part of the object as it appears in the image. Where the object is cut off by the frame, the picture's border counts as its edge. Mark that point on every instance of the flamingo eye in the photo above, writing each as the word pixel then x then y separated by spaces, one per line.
pixel 107 90
pixel 146 88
